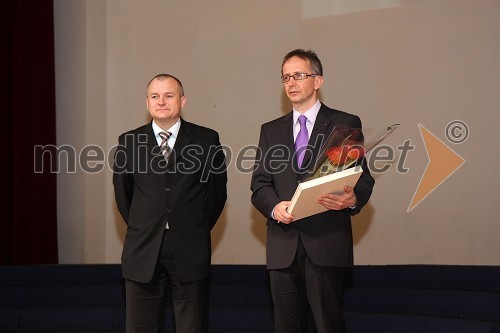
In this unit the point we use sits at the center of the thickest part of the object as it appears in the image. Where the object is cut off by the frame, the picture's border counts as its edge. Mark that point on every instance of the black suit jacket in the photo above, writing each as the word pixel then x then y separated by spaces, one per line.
pixel 327 237
pixel 189 193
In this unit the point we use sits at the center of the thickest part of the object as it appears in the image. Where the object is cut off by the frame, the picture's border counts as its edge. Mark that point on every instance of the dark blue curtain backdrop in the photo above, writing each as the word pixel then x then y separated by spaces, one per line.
pixel 28 221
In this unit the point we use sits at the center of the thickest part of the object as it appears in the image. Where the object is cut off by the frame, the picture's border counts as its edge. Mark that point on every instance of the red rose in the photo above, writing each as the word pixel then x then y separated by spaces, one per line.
pixel 337 155
pixel 355 153
pixel 341 155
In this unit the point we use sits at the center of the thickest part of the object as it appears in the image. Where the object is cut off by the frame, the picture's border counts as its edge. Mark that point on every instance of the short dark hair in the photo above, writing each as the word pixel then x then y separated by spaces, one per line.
pixel 162 77
pixel 310 55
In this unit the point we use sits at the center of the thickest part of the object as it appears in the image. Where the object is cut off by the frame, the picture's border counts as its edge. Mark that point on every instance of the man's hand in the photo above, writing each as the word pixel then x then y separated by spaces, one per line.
pixel 280 213
pixel 339 201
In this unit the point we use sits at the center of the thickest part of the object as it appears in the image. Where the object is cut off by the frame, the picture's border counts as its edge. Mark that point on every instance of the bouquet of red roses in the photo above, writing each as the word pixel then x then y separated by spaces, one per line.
pixel 346 147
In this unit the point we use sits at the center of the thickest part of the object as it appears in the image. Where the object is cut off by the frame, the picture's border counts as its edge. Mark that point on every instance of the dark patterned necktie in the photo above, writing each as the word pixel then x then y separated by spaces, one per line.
pixel 164 147
pixel 301 140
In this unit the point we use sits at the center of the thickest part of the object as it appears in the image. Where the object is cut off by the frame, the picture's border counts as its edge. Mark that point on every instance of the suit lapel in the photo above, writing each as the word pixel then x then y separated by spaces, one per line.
pixel 321 130
pixel 182 141
pixel 152 143
pixel 286 131
pixel 148 158
pixel 323 126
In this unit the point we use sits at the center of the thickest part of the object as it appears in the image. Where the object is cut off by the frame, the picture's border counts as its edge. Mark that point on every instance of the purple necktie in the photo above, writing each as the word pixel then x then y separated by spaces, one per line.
pixel 302 140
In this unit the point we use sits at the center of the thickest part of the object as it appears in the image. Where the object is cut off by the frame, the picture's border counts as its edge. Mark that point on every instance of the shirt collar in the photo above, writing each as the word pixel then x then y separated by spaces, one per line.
pixel 174 129
pixel 310 114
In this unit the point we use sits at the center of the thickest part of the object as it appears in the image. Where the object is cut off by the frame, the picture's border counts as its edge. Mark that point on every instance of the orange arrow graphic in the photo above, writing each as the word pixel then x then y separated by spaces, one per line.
pixel 443 162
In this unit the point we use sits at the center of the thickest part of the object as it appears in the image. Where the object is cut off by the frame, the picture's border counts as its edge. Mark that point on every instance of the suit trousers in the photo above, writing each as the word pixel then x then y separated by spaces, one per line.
pixel 146 301
pixel 303 283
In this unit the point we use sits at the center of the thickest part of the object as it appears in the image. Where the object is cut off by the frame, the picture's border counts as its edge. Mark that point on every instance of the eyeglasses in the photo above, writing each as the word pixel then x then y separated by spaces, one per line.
pixel 297 77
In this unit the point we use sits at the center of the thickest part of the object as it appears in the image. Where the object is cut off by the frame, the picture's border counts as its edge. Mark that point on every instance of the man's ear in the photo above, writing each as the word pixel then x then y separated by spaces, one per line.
pixel 318 82
pixel 183 101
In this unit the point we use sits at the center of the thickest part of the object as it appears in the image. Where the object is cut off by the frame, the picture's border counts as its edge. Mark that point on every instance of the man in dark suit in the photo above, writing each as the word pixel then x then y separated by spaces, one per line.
pixel 306 258
pixel 170 188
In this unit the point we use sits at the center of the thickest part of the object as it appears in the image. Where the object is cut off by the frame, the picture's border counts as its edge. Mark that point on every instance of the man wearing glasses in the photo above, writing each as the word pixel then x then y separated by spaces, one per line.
pixel 306 258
